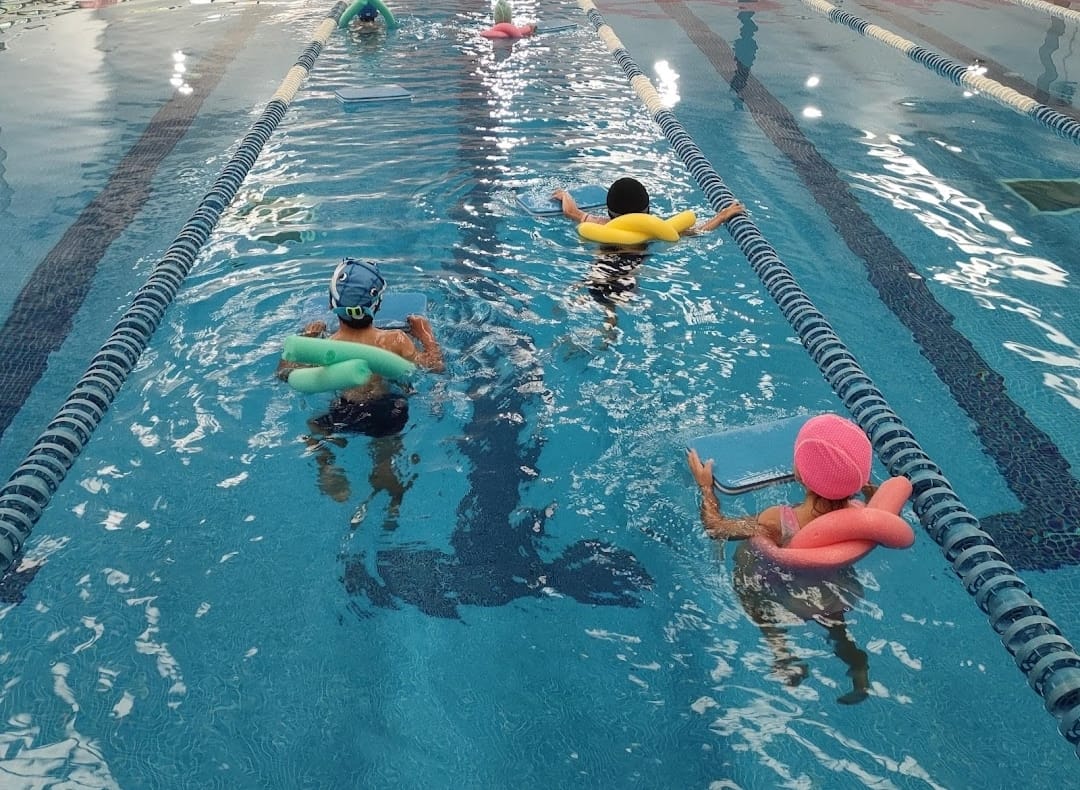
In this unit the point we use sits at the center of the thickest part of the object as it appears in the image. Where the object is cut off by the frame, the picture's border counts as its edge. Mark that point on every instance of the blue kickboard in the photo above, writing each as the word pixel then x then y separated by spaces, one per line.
pixel 751 457
pixel 375 93
pixel 556 26
pixel 396 309
pixel 541 203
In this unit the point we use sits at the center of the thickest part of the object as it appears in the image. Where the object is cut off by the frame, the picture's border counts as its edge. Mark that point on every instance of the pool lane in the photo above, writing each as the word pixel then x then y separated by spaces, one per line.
pixel 497 545
pixel 1038 537
pixel 42 315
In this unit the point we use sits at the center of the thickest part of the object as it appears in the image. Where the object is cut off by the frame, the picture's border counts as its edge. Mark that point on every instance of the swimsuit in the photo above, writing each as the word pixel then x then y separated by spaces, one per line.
pixel 776 595
pixel 380 415
pixel 789 524
pixel 612 276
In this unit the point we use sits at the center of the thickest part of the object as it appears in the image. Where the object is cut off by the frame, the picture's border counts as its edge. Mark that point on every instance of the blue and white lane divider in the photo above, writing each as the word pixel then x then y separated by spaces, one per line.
pixel 1040 649
pixel 1049 8
pixel 958 73
pixel 31 486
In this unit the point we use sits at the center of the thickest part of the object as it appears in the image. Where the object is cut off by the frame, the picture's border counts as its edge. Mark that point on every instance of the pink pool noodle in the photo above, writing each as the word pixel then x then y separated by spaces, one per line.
pixel 843 537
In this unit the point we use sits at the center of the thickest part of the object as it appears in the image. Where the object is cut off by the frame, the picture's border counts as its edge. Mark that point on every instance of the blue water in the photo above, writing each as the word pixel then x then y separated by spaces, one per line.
pixel 543 611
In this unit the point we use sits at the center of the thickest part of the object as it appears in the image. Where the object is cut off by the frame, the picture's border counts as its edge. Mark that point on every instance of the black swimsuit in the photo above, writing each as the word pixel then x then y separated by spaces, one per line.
pixel 382 415
pixel 611 278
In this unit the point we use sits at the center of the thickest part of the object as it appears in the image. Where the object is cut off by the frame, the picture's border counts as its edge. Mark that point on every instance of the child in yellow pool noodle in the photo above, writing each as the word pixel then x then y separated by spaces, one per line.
pixel 628 196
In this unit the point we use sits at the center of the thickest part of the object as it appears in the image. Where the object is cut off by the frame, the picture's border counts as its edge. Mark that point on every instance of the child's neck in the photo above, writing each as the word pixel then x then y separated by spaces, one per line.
pixel 815 505
pixel 346 332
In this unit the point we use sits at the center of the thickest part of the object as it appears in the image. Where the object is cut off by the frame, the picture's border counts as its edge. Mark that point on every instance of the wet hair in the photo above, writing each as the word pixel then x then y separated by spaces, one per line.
pixel 627 196
pixel 357 323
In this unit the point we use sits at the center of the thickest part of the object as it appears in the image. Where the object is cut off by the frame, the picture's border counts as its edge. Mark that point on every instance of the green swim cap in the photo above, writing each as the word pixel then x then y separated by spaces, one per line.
pixel 503 12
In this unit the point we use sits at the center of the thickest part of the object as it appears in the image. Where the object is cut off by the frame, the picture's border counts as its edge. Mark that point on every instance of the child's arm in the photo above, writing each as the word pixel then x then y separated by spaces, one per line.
pixel 716 221
pixel 570 208
pixel 430 354
pixel 716 524
pixel 431 357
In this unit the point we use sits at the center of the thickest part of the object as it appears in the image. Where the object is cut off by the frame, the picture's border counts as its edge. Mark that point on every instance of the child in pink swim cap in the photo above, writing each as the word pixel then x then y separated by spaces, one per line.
pixel 832 460
pixel 832 457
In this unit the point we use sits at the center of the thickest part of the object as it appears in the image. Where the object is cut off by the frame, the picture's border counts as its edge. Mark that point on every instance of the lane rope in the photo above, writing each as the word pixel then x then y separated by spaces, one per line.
pixel 1060 12
pixel 1037 644
pixel 959 73
pixel 31 486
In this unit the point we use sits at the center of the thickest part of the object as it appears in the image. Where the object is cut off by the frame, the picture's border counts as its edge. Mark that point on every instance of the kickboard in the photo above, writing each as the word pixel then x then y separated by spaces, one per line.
pixel 751 457
pixel 540 202
pixel 396 309
pixel 556 26
pixel 376 93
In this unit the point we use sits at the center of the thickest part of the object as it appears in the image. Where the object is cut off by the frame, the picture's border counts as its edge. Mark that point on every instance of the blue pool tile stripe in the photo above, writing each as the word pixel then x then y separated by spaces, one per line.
pixel 499 544
pixel 1037 644
pixel 31 486
pixel 958 73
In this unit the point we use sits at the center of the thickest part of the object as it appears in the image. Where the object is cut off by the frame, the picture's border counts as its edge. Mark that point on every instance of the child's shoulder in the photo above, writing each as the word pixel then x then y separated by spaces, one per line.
pixel 396 340
pixel 770 516
pixel 770 522
pixel 395 335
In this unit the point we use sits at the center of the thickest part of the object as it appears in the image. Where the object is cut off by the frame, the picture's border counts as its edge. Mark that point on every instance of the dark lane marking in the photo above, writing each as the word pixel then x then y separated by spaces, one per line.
pixel 962 54
pixel 41 317
pixel 1043 534
pixel 495 556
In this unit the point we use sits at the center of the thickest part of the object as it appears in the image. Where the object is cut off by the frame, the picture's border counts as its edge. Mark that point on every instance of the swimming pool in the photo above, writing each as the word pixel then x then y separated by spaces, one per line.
pixel 543 610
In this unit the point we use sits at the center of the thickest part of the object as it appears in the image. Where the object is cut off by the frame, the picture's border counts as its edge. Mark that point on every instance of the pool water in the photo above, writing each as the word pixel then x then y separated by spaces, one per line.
pixel 516 592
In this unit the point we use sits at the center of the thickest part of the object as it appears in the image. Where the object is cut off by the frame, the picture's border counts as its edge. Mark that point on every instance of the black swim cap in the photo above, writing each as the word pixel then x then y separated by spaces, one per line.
pixel 627 196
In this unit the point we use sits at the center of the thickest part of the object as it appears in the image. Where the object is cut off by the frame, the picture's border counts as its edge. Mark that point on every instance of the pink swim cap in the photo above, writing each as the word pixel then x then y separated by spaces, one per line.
pixel 832 456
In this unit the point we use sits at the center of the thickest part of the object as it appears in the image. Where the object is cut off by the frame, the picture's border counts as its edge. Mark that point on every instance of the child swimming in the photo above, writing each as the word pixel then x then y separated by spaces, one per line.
pixel 832 459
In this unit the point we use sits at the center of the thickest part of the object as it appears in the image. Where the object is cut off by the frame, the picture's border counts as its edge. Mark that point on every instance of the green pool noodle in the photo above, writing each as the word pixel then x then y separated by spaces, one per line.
pixel 378 5
pixel 320 351
pixel 325 378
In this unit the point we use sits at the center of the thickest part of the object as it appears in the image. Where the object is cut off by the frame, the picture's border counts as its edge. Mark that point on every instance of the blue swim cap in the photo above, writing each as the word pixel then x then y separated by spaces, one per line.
pixel 356 289
pixel 368 13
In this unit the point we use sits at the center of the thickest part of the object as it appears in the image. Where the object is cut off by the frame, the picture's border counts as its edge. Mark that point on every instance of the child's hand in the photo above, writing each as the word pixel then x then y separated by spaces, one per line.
pixel 420 327
pixel 314 329
pixel 702 471
pixel 564 197
pixel 718 219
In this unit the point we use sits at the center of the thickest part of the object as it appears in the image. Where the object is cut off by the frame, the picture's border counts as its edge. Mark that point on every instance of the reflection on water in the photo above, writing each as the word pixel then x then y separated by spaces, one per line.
pixel 997 256
pixel 765 723
pixel 5 189
pixel 1050 82
pixel 271 220
pixel 74 760
pixel 217 633
pixel 667 83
